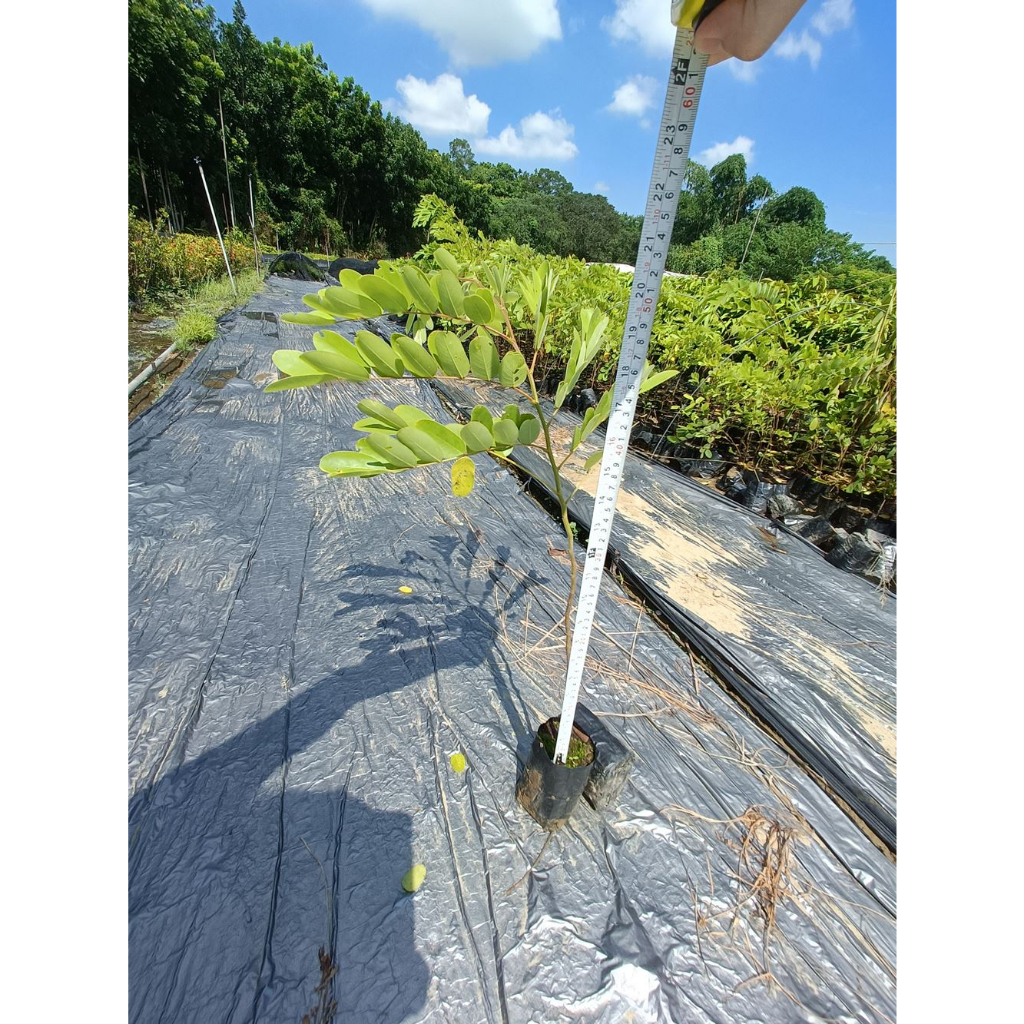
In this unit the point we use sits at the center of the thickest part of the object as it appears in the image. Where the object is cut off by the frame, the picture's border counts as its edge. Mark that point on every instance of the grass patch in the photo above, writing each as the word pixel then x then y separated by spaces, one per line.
pixel 196 323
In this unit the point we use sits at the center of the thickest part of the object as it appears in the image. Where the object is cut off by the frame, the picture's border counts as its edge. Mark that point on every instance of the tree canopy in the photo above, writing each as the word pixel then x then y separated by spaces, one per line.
pixel 331 170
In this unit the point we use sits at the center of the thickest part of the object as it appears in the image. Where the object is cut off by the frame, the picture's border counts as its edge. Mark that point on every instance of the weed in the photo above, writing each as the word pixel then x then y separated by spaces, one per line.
pixel 193 328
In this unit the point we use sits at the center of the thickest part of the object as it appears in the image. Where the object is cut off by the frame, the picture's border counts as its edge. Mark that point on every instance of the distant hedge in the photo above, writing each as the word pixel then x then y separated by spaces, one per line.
pixel 157 262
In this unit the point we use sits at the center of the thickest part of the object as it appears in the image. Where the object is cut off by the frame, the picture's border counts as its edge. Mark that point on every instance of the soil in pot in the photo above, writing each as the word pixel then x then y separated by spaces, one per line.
pixel 549 791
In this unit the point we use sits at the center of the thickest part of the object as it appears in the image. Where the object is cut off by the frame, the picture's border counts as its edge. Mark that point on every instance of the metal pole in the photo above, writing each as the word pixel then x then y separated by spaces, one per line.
pixel 213 214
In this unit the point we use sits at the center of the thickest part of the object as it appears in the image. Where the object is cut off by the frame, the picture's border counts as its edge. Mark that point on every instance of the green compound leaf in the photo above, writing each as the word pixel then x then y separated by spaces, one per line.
pixel 388 450
pixel 446 348
pixel 309 318
pixel 385 294
pixel 287 383
pixel 443 258
pixel 595 458
pixel 481 414
pixel 379 355
pixel 347 303
pixel 417 359
pixel 512 413
pixel 449 293
pixel 477 309
pixel 289 361
pixel 477 437
pixel 463 476
pixel 332 341
pixel 347 368
pixel 513 369
pixel 414 877
pixel 419 289
pixel 431 442
pixel 380 411
pixel 506 433
pixel 529 429
pixel 483 357
pixel 351 464
pixel 458 763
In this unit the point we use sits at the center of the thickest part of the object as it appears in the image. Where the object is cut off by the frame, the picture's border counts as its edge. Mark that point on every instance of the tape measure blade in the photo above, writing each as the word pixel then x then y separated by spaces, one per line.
pixel 686 78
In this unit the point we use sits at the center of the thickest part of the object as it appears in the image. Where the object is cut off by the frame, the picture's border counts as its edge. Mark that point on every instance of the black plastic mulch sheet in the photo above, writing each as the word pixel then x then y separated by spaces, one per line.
pixel 809 648
pixel 292 714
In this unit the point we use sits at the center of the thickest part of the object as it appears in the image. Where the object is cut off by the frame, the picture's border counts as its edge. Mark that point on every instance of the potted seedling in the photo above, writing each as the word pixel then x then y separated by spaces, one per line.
pixel 460 327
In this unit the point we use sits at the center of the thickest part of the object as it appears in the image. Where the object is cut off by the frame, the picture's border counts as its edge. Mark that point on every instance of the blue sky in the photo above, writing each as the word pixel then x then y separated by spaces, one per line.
pixel 577 85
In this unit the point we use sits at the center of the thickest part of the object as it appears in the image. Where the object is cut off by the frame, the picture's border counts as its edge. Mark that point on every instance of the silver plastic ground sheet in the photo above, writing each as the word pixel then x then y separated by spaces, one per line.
pixel 291 717
pixel 809 648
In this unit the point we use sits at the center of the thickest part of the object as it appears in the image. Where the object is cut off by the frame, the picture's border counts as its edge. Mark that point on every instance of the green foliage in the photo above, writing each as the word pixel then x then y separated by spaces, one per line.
pixel 178 263
pixel 193 328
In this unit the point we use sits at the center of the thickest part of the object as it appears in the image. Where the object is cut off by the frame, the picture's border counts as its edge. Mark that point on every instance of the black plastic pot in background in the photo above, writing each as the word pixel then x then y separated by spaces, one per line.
pixel 549 791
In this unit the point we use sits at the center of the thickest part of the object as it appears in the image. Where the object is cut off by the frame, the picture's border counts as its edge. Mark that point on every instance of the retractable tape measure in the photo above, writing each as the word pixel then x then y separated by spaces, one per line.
pixel 686 78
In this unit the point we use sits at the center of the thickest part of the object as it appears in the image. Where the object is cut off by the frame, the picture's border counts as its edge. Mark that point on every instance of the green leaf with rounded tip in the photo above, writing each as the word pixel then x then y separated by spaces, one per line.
pixel 417 359
pixel 332 341
pixel 476 309
pixel 350 279
pixel 450 440
pixel 309 318
pixel 348 303
pixel 386 295
pixel 463 476
pixel 484 295
pixel 512 372
pixel 373 426
pixel 389 449
pixel 595 458
pixel 446 348
pixel 289 360
pixel 443 258
pixel 287 383
pixel 351 464
pixel 506 433
pixel 482 415
pixel 529 429
pixel 379 355
pixel 483 356
pixel 316 302
pixel 380 411
pixel 411 414
pixel 477 437
pixel 336 365
pixel 414 877
pixel 419 289
pixel 449 293
pixel 513 413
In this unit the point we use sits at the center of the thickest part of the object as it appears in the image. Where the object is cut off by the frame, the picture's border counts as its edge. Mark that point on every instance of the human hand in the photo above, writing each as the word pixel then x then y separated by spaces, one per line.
pixel 743 28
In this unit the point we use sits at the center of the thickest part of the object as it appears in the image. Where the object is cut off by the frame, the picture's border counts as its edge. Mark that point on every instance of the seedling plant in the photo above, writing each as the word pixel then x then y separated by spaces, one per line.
pixel 457 327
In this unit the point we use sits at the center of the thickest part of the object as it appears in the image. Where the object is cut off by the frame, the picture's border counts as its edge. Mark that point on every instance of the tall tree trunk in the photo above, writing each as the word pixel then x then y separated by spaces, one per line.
pixel 145 191
pixel 227 171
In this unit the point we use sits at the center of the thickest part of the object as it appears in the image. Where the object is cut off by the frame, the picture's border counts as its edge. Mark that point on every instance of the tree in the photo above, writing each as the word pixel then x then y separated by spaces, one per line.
pixel 461 154
pixel 798 205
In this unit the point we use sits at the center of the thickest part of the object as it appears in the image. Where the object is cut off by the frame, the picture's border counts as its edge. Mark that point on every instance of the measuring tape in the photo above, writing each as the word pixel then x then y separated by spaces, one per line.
pixel 686 78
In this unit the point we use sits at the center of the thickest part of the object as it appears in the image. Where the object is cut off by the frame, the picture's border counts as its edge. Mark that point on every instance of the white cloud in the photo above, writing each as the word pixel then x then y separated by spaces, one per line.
pixel 602 188
pixel 634 96
pixel 441 107
pixel 642 21
pixel 720 150
pixel 744 70
pixel 791 47
pixel 833 16
pixel 480 33
pixel 540 137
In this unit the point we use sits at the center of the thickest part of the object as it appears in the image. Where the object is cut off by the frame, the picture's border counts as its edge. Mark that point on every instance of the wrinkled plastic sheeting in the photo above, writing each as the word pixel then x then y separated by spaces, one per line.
pixel 292 713
pixel 809 648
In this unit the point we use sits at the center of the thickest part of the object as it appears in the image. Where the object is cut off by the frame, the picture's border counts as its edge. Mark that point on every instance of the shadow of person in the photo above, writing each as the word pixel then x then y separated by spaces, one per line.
pixel 247 858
